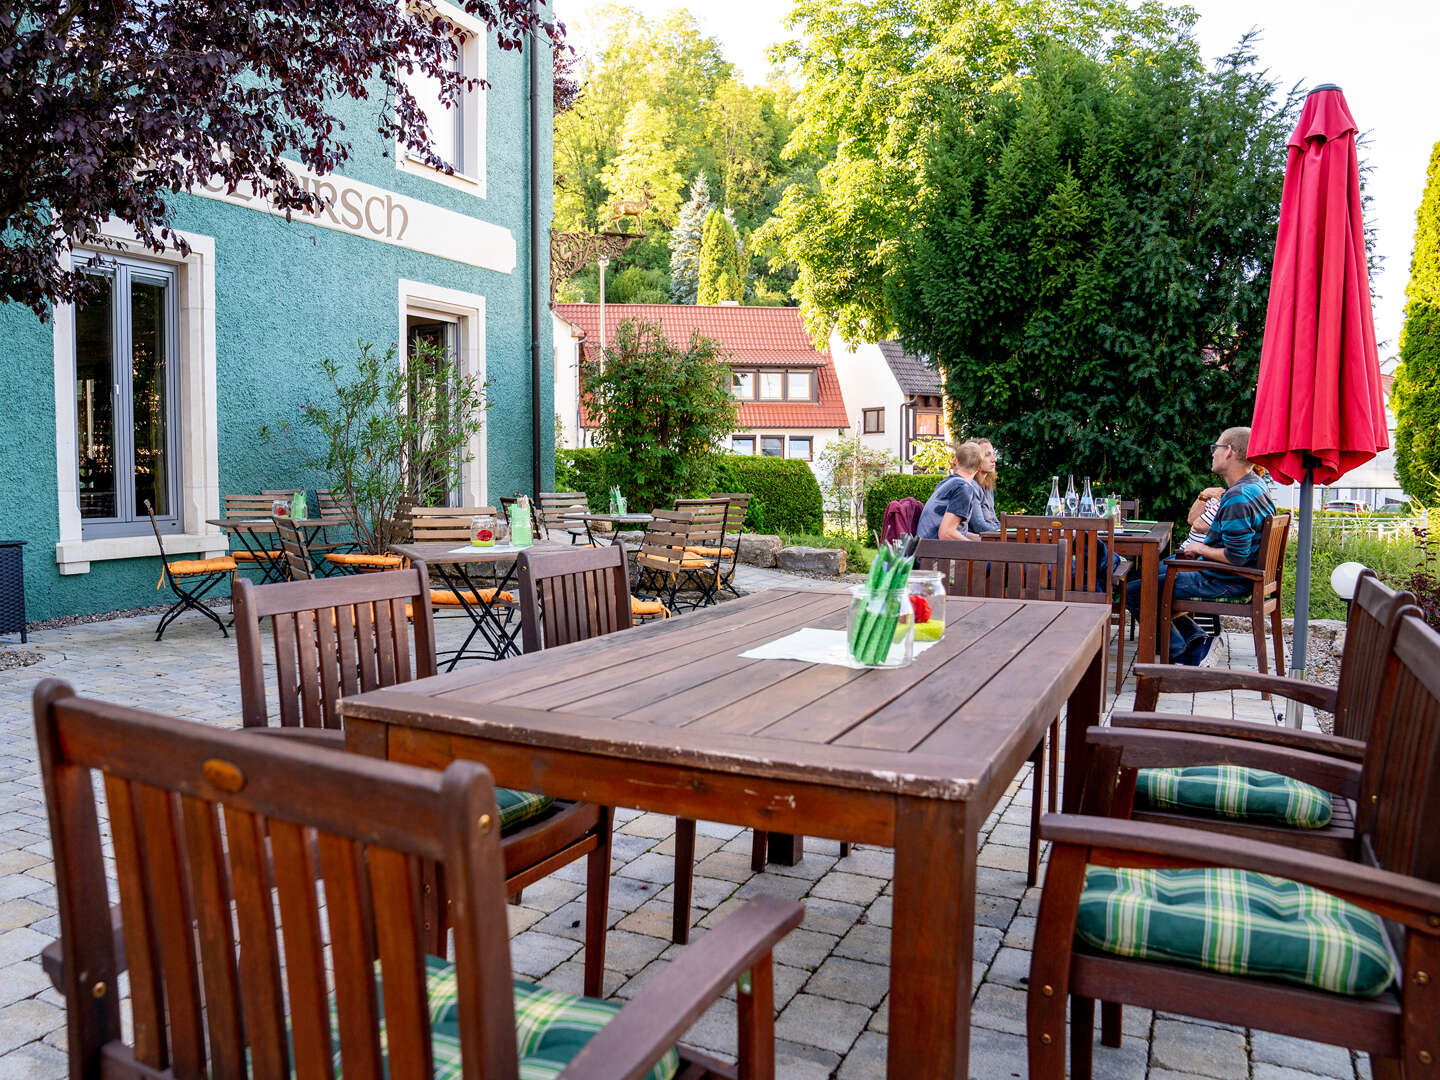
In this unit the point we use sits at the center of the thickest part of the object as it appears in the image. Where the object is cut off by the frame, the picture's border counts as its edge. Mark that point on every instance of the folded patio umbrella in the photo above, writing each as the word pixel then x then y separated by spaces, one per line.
pixel 1319 409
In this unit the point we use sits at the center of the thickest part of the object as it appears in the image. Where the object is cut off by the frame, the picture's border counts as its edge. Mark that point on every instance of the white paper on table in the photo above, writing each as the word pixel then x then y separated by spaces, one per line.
pixel 471 549
pixel 815 646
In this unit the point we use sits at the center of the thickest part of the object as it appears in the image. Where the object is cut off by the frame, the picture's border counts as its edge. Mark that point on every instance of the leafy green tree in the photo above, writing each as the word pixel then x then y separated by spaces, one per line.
pixel 1415 396
pixel 880 80
pixel 722 275
pixel 850 469
pixel 660 409
pixel 685 242
pixel 1091 262
pixel 645 163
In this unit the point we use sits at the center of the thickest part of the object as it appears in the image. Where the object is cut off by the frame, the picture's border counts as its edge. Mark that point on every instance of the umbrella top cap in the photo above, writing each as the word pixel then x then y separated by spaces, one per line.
pixel 1326 117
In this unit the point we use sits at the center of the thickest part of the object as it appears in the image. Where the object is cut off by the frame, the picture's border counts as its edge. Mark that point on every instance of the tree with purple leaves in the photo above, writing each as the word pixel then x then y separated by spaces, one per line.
pixel 110 107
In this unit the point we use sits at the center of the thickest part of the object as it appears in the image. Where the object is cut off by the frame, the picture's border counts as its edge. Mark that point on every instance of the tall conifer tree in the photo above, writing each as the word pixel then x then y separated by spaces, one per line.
pixel 685 242
pixel 1415 397
pixel 721 275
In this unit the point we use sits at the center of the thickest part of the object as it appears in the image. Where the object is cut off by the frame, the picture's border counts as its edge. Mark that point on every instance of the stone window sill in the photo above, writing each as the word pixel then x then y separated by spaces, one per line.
pixel 75 556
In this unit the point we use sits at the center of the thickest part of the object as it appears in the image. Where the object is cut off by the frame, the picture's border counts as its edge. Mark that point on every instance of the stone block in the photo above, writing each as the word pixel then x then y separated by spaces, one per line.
pixel 821 562
pixel 757 549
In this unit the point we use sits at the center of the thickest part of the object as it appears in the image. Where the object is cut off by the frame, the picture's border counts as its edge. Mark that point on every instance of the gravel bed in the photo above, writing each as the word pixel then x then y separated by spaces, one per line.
pixel 220 604
pixel 18 658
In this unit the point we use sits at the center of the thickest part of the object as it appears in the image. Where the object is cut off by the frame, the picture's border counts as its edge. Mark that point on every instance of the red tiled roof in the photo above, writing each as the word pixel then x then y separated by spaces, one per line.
pixel 752 336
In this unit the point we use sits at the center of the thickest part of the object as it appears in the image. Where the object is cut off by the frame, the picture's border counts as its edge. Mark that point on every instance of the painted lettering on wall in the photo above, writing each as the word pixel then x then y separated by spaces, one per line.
pixel 361 209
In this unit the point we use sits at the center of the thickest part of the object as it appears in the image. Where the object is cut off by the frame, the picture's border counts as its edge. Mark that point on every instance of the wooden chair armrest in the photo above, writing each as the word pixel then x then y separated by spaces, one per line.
pixel 1120 842
pixel 52 957
pixel 1312 741
pixel 1156 679
pixel 1186 566
pixel 655 1018
pixel 329 738
pixel 1142 748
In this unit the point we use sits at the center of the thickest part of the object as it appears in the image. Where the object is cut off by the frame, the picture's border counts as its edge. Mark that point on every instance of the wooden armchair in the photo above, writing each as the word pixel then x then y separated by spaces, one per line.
pixel 1019 571
pixel 1093 578
pixel 337 637
pixel 212 993
pixel 1265 579
pixel 1112 926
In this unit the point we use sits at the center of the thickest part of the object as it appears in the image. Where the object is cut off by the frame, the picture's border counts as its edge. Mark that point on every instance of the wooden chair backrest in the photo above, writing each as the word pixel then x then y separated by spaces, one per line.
pixel 1370 629
pixel 436 524
pixel 1129 508
pixel 164 559
pixel 999 568
pixel 250 506
pixel 554 505
pixel 1273 535
pixel 205 824
pixel 663 546
pixel 1400 786
pixel 708 520
pixel 739 507
pixel 332 506
pixel 333 637
pixel 297 554
pixel 1089 578
pixel 572 595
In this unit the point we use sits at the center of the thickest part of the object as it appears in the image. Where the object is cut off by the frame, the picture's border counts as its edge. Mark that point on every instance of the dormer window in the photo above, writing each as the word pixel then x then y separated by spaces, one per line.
pixel 742 384
pixel 799 386
pixel 772 386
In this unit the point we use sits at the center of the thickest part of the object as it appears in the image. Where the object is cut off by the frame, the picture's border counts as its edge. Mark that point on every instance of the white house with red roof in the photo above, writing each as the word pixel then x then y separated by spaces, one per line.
pixel 896 400
pixel 788 395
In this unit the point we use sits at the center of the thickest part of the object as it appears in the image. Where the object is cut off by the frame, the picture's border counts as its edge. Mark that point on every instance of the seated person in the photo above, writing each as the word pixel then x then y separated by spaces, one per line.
pixel 1201 516
pixel 1233 538
pixel 953 510
pixel 987 520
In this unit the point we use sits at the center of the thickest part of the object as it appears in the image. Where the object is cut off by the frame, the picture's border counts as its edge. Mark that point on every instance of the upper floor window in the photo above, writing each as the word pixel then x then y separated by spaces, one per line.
pixel 772 446
pixel 445 121
pixel 799 386
pixel 873 421
pixel 126 391
pixel 743 444
pixel 742 384
pixel 457 128
pixel 927 422
pixel 772 385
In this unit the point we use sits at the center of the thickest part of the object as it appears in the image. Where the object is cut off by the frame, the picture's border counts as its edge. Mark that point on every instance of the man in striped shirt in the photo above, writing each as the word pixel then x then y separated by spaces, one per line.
pixel 1233 539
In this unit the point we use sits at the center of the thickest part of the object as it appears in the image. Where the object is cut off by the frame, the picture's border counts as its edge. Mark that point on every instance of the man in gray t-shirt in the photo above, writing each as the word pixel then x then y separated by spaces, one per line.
pixel 955 500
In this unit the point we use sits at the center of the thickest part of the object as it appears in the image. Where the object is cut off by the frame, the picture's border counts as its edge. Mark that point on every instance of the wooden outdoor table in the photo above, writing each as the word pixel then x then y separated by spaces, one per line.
pixel 1146 550
pixel 270 561
pixel 616 520
pixel 669 718
pixel 452 560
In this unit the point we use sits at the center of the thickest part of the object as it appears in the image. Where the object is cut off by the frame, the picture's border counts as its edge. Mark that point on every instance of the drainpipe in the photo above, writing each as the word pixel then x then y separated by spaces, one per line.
pixel 539 306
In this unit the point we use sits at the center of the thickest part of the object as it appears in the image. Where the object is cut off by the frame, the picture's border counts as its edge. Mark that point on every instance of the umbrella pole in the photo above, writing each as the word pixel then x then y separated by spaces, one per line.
pixel 1303 547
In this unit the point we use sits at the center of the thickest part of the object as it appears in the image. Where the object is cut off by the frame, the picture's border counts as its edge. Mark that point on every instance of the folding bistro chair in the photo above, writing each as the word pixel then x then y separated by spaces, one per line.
pixel 734 530
pixel 663 557
pixel 557 506
pixel 201 911
pixel 1017 571
pixel 346 556
pixel 295 552
pixel 337 637
pixel 709 519
pixel 253 552
pixel 189 580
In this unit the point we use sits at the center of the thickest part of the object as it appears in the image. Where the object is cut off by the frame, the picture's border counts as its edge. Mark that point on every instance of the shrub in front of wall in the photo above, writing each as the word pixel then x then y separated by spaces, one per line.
pixel 785 496
pixel 895 486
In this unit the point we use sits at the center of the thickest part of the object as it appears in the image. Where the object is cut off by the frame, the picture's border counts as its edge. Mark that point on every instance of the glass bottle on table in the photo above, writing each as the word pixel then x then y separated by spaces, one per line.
pixel 1053 505
pixel 1087 501
pixel 1072 500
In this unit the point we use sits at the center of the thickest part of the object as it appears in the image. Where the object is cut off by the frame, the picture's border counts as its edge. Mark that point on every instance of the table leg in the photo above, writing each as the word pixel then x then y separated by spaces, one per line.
pixel 1082 712
pixel 482 614
pixel 930 960
pixel 786 849
pixel 1149 603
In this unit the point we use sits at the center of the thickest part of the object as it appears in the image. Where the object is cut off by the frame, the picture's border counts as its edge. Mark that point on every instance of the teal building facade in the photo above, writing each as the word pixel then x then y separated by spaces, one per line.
pixel 159 387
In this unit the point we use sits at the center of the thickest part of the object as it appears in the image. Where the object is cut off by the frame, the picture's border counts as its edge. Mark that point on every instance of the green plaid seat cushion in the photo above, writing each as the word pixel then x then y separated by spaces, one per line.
pixel 1232 791
pixel 1237 923
pixel 550 1027
pixel 520 807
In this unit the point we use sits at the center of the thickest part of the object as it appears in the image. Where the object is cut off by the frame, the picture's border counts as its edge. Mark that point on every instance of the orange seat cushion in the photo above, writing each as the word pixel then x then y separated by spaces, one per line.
pixel 244 556
pixel 711 552
pixel 201 566
pixel 449 598
pixel 648 607
pixel 353 558
pixel 695 564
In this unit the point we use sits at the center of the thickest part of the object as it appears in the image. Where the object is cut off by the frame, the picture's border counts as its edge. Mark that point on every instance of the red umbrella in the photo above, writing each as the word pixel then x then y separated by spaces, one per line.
pixel 1319 392
pixel 1319 411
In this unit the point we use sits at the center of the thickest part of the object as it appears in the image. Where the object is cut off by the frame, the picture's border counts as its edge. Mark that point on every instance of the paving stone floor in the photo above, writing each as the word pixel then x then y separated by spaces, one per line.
pixel 830 977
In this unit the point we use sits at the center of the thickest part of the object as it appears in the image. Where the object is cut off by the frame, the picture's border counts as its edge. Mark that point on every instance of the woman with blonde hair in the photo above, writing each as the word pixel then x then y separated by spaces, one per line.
pixel 986 519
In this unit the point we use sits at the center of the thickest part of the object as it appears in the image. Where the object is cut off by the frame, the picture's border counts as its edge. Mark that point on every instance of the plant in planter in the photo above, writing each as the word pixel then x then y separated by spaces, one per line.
pixel 397 434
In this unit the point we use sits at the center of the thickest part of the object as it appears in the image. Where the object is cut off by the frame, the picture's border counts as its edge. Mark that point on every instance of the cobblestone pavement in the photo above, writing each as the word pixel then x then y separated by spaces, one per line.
pixel 830 976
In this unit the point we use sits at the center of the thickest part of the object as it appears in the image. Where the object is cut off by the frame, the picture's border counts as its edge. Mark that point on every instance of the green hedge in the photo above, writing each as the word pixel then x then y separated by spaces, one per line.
pixel 895 486
pixel 786 497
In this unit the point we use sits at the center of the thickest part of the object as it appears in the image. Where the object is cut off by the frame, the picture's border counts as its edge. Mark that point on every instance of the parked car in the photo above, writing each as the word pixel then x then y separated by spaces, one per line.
pixel 1347 506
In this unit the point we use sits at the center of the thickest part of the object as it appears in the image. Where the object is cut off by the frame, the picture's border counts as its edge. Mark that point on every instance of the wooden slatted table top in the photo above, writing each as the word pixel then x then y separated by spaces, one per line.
pixel 681 694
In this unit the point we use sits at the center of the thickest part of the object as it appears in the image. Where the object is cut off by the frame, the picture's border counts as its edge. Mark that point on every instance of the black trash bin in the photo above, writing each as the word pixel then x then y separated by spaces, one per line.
pixel 12 588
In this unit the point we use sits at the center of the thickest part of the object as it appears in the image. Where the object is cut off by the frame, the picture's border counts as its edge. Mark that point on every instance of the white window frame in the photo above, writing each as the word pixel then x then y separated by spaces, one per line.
pixel 809 377
pixel 469 173
pixel 467 311
pixel 743 439
pixel 198 487
pixel 780 375
pixel 743 377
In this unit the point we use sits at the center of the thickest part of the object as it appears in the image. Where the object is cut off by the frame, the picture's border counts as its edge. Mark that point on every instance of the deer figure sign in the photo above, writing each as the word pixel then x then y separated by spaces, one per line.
pixel 632 208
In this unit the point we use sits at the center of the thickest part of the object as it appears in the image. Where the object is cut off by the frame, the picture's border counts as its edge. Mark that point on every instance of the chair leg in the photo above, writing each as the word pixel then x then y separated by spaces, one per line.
pixel 759 843
pixel 1277 632
pixel 1054 796
pixel 844 848
pixel 1082 1036
pixel 1386 1069
pixel 597 907
pixel 1032 865
pixel 1120 653
pixel 684 880
pixel 1112 1019
pixel 1257 629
